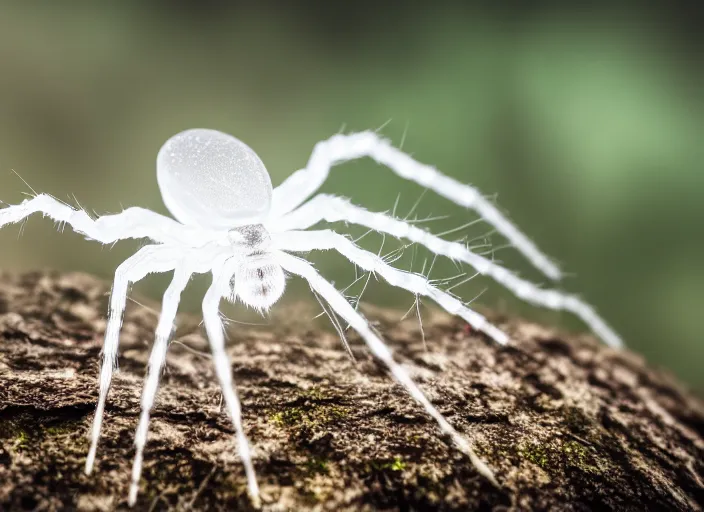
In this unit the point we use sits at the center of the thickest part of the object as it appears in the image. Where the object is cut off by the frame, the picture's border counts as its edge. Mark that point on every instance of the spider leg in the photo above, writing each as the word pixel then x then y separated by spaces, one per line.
pixel 338 303
pixel 145 261
pixel 223 369
pixel 301 241
pixel 341 148
pixel 131 223
pixel 164 329
pixel 334 209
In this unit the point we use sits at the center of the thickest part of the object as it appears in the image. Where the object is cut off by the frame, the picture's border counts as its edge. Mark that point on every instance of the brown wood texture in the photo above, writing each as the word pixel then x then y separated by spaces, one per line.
pixel 565 423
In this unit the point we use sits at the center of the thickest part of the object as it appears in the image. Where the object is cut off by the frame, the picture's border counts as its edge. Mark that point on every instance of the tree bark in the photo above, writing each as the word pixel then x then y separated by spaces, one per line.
pixel 565 423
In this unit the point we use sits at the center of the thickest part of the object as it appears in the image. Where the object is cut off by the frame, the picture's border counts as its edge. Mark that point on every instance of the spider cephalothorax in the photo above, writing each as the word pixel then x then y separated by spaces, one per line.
pixel 230 223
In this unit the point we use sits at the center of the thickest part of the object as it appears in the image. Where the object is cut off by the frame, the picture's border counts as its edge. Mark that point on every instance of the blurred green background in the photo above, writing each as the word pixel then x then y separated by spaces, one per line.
pixel 586 123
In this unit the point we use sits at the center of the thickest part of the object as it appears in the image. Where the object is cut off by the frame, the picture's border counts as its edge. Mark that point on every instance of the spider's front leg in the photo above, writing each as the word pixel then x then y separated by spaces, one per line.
pixel 131 223
pixel 334 209
pixel 149 259
pixel 341 148
pixel 303 241
pixel 222 274
pixel 340 305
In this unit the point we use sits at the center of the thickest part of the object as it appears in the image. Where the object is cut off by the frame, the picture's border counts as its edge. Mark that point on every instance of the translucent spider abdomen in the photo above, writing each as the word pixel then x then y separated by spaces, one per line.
pixel 212 179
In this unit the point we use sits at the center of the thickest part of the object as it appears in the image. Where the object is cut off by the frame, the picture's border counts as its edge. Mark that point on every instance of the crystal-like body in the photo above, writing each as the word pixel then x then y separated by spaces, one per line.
pixel 212 179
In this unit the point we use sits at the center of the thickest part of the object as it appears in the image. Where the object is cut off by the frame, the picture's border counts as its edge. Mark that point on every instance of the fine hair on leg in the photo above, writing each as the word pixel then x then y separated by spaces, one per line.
pixel 223 369
pixel 164 329
pixel 131 223
pixel 340 305
pixel 334 209
pixel 302 241
pixel 147 260
pixel 342 147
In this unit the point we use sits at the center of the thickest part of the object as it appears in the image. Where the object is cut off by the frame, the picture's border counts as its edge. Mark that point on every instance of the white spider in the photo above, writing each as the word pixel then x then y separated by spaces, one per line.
pixel 231 223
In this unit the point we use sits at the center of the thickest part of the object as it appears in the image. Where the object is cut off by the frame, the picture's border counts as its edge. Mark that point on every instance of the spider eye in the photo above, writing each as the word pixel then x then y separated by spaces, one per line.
pixel 258 283
pixel 211 179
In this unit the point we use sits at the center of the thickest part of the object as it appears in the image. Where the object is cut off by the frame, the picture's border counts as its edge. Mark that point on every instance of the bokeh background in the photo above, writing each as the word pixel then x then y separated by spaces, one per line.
pixel 586 123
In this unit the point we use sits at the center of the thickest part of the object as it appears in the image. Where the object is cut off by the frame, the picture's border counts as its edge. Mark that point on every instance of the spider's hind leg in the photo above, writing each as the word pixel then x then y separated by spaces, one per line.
pixel 303 241
pixel 345 147
pixel 340 305
pixel 335 209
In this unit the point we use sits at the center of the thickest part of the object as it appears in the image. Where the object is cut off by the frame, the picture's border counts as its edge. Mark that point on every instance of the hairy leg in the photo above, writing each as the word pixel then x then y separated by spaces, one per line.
pixel 216 337
pixel 147 260
pixel 341 148
pixel 164 328
pixel 131 223
pixel 340 305
pixel 334 209
pixel 301 241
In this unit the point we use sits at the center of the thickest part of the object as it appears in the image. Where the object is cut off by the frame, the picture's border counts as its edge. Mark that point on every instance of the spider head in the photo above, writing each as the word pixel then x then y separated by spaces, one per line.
pixel 249 239
pixel 258 282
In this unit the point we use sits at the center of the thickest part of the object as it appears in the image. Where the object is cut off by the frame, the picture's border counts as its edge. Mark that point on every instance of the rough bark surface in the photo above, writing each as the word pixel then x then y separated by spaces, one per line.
pixel 565 423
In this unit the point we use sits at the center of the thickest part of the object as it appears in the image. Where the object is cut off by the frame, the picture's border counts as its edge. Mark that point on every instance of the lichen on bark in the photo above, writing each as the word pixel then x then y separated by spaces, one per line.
pixel 566 423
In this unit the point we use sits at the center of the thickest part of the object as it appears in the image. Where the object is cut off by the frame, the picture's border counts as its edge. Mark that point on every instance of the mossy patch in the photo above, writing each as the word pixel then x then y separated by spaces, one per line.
pixel 317 415
pixel 63 428
pixel 21 435
pixel 15 433
pixel 21 439
pixel 313 407
pixel 578 455
pixel 397 464
pixel 536 453
pixel 553 454
pixel 317 465
pixel 316 393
